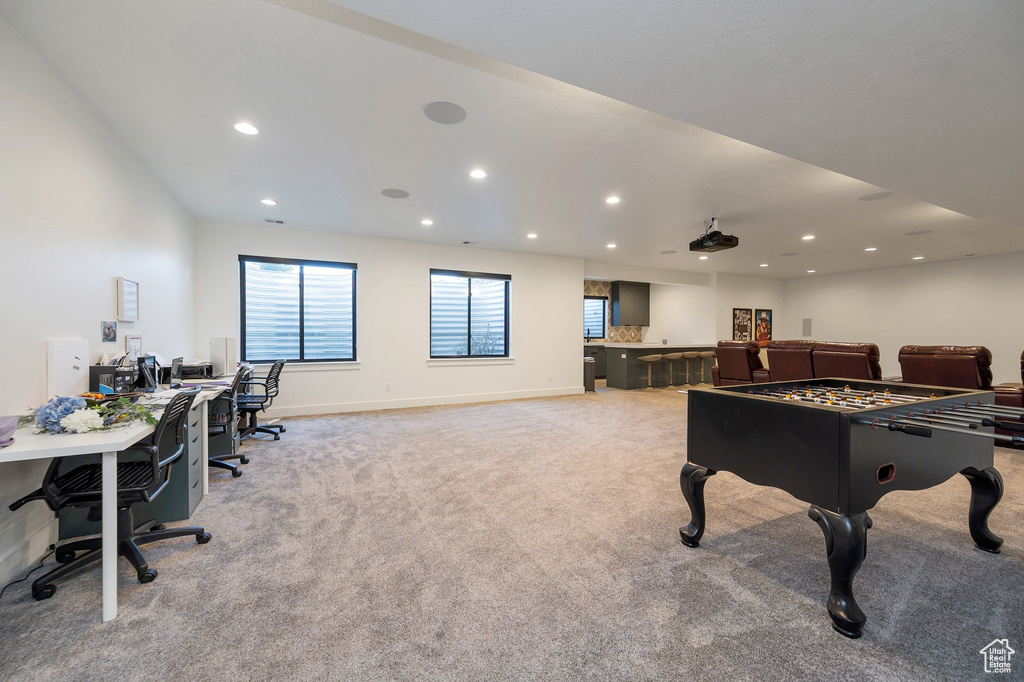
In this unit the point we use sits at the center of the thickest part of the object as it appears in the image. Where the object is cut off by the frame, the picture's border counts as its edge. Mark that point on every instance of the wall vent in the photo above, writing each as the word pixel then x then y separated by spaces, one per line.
pixel 274 221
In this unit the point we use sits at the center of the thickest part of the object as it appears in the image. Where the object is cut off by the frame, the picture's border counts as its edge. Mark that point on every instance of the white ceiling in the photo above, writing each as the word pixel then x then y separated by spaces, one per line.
pixel 339 101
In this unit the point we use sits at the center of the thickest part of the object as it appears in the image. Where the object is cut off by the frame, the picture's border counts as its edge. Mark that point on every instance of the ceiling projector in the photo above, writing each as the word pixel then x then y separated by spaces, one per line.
pixel 713 239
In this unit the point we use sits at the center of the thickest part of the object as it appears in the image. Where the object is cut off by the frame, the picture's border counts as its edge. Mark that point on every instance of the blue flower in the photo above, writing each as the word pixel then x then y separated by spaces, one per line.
pixel 48 416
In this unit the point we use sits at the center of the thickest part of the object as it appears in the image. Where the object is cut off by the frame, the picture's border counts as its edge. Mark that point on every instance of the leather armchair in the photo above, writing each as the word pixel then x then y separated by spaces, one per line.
pixel 790 360
pixel 739 362
pixel 1012 395
pixel 955 366
pixel 846 360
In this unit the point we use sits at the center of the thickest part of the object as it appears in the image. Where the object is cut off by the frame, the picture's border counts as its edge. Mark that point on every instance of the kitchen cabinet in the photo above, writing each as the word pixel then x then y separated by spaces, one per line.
pixel 631 304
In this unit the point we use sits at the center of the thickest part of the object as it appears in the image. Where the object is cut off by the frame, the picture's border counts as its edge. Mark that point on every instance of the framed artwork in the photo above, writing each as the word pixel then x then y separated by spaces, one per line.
pixel 762 326
pixel 133 347
pixel 741 329
pixel 127 300
pixel 108 331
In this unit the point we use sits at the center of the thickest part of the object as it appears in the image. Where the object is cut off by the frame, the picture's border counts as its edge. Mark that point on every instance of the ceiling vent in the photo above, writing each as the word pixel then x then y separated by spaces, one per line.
pixel 274 221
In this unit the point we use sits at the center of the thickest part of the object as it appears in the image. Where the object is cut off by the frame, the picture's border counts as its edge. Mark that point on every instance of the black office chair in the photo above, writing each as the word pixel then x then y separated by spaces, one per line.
pixel 137 481
pixel 223 413
pixel 252 403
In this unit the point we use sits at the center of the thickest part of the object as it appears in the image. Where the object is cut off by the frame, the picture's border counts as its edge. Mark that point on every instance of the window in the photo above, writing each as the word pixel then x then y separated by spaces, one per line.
pixel 595 316
pixel 297 310
pixel 468 314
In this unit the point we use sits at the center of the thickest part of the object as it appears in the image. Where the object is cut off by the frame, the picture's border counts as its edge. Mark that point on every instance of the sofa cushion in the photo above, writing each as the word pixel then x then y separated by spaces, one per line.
pixel 790 360
pixel 957 366
pixel 846 360
pixel 737 361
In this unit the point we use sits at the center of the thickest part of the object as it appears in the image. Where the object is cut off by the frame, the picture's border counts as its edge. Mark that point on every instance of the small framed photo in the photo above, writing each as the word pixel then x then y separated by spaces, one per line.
pixel 108 331
pixel 133 347
pixel 741 324
pixel 762 326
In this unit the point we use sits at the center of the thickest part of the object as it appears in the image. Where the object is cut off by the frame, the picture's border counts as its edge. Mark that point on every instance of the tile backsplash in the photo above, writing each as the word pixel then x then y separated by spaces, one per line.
pixel 596 287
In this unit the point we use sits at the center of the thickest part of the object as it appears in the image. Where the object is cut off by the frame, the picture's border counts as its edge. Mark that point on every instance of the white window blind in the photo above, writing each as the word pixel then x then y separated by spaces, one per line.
pixel 468 314
pixel 594 316
pixel 297 310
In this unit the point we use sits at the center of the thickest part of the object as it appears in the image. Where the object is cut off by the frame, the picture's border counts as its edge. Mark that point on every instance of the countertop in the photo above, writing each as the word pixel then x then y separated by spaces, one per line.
pixel 652 345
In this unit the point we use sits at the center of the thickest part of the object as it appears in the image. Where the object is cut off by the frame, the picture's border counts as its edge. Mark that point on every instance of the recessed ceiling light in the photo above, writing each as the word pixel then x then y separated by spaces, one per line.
pixel 444 112
pixel 246 128
pixel 532 235
pixel 703 258
pixel 811 271
pixel 611 246
pixel 612 200
pixel 871 248
pixel 478 174
pixel 268 202
pixel 875 196
pixel 763 265
pixel 808 237
pixel 668 252
pixel 427 222
pixel 918 258
pixel 392 193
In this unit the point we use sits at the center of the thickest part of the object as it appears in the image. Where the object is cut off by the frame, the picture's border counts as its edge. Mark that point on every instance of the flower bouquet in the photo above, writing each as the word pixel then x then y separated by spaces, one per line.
pixel 80 415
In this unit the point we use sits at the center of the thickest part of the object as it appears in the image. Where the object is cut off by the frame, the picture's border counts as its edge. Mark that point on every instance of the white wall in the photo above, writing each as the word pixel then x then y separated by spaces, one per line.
pixel 393 318
pixel 979 301
pixel 78 211
pixel 740 291
pixel 682 314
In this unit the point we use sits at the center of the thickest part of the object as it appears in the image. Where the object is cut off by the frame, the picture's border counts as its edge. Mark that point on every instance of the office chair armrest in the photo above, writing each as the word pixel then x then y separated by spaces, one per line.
pixel 254 383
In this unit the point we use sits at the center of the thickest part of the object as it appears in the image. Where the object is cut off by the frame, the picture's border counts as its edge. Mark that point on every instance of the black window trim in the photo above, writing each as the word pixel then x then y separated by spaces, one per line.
pixel 469 310
pixel 604 317
pixel 242 259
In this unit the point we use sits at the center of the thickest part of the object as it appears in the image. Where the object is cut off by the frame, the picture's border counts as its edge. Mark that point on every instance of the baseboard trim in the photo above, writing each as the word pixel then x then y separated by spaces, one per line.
pixel 399 403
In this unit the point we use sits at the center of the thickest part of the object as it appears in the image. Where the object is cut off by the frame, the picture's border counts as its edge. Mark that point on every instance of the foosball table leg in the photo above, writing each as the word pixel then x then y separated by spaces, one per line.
pixel 691 481
pixel 846 544
pixel 986 491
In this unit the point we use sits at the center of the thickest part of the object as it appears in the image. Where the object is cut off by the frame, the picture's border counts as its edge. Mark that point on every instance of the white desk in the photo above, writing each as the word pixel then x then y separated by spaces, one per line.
pixel 31 445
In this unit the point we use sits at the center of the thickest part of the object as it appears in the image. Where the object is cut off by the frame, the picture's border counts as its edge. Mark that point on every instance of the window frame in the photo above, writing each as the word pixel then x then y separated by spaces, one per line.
pixel 469 312
pixel 604 316
pixel 243 259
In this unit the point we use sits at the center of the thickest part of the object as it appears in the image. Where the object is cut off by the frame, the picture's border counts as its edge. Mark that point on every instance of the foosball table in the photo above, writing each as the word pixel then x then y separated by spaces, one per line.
pixel 840 445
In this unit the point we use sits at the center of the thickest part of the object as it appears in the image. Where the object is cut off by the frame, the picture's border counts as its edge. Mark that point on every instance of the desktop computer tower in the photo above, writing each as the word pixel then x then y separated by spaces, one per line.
pixel 223 355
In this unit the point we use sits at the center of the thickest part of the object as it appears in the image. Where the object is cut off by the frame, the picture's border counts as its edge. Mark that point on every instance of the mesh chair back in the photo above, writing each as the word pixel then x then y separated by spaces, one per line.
pixel 272 377
pixel 236 382
pixel 170 432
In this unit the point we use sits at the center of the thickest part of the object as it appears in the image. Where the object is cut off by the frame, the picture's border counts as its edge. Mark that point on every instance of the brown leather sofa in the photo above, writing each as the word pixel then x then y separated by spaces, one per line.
pixel 739 362
pixel 955 366
pixel 846 360
pixel 1012 395
pixel 790 360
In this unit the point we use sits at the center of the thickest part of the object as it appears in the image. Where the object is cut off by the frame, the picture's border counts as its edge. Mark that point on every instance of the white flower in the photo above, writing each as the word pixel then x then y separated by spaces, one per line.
pixel 81 421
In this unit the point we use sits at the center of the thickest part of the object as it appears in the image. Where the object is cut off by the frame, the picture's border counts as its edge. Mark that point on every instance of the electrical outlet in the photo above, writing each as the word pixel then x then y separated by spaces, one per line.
pixel 387 386
pixel 549 377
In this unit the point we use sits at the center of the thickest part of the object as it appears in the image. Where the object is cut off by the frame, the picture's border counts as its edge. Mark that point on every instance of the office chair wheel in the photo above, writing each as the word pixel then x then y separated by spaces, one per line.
pixel 243 460
pixel 44 592
pixel 148 576
pixel 277 436
pixel 159 526
pixel 283 429
pixel 203 538
pixel 236 472
pixel 65 557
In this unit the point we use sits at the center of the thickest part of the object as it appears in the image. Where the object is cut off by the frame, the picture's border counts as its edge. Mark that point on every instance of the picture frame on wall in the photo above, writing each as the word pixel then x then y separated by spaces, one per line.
pixel 133 347
pixel 741 324
pixel 762 325
pixel 127 300
pixel 108 331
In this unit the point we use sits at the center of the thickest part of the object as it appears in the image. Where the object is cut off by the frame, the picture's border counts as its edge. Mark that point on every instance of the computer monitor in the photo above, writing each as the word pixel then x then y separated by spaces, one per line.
pixel 147 374
pixel 176 372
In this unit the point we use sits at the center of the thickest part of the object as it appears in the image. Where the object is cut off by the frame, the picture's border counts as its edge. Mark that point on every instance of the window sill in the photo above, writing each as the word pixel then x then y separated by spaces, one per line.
pixel 310 367
pixel 447 362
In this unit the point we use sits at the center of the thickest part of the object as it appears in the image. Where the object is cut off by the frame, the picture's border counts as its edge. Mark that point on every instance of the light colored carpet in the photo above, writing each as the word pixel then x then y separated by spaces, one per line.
pixel 534 539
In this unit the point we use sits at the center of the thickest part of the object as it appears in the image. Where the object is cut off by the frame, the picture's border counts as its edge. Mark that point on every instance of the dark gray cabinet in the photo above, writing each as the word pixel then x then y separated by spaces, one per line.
pixel 600 360
pixel 631 304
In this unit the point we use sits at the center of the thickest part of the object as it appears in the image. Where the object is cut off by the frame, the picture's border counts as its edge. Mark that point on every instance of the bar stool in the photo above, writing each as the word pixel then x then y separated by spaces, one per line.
pixel 671 357
pixel 688 356
pixel 705 370
pixel 650 360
